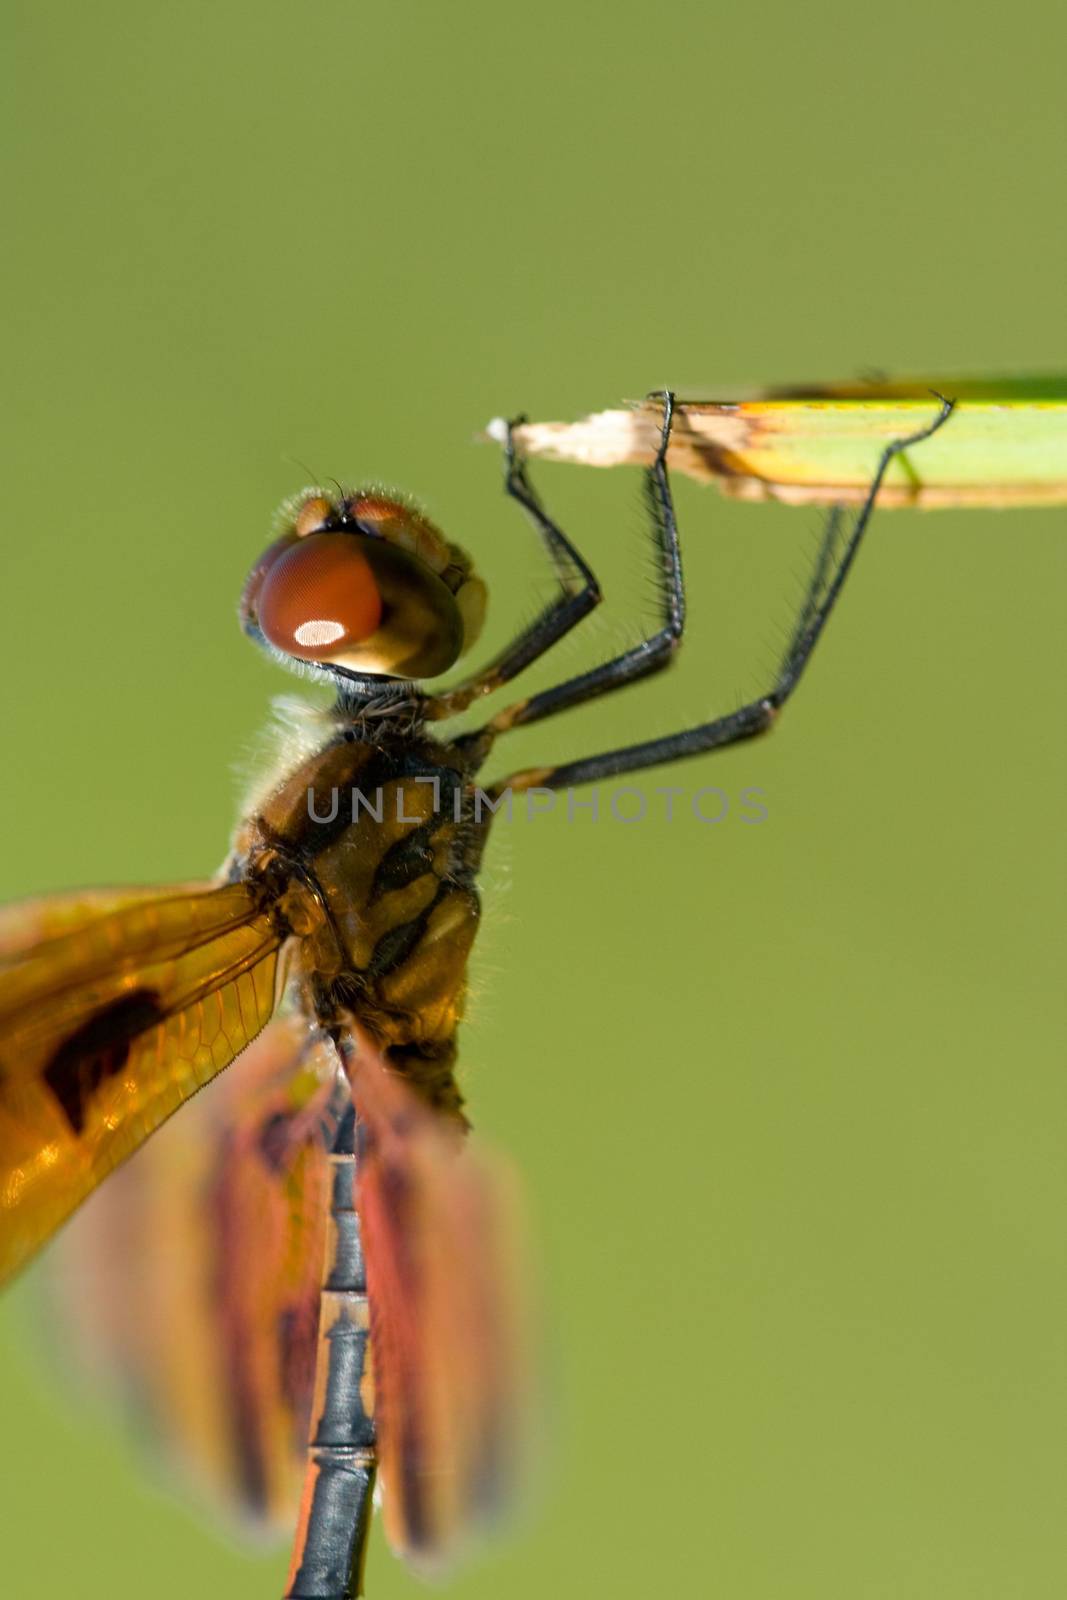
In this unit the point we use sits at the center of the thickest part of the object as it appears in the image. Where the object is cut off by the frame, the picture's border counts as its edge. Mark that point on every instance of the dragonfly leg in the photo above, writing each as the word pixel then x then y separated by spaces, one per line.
pixel 579 594
pixel 757 716
pixel 653 653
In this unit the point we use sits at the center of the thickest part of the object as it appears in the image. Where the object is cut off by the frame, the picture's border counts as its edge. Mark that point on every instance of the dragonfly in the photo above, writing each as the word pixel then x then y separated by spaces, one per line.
pixel 316 1228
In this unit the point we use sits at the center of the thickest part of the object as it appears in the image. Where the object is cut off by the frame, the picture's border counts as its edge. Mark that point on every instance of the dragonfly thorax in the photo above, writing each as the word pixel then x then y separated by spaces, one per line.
pixel 372 843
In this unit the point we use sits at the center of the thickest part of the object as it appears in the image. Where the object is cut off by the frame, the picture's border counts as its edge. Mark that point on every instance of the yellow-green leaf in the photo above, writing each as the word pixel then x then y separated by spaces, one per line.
pixel 1004 445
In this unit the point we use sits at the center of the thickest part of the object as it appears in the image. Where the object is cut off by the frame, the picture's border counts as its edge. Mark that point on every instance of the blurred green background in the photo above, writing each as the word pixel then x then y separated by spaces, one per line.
pixel 788 1099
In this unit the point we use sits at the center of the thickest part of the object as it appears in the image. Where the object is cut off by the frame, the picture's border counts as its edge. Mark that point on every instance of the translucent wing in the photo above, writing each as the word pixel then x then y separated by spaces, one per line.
pixel 439 1228
pixel 115 1007
pixel 194 1275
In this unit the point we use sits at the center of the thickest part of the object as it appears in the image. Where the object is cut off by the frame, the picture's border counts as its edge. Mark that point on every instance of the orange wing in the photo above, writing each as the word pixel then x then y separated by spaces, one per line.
pixel 115 1007
pixel 439 1225
pixel 194 1275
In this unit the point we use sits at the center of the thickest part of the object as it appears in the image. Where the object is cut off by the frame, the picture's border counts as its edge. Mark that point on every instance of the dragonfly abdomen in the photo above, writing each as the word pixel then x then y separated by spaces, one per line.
pixel 328 1553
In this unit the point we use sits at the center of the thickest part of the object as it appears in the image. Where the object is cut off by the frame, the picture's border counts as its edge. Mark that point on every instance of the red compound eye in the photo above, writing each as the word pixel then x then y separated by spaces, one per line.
pixel 320 598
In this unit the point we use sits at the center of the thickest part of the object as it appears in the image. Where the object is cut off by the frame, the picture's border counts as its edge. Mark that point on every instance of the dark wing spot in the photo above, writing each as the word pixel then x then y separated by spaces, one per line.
pixel 275 1141
pixel 297 1343
pixel 99 1050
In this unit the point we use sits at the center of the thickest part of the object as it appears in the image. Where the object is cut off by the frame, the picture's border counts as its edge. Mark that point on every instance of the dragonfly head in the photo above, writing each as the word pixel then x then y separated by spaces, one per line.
pixel 363 585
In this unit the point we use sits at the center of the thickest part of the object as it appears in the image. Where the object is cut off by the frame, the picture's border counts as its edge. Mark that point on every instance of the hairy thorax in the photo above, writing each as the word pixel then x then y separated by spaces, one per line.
pixel 368 849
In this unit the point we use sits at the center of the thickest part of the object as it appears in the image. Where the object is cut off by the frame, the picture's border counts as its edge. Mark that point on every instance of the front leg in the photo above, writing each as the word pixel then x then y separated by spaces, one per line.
pixel 579 593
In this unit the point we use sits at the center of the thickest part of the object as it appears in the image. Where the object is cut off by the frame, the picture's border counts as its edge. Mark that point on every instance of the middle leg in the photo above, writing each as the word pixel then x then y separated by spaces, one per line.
pixel 653 653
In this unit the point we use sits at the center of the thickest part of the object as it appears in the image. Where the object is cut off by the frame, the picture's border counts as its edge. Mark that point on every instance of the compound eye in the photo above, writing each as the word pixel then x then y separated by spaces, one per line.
pixel 320 599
